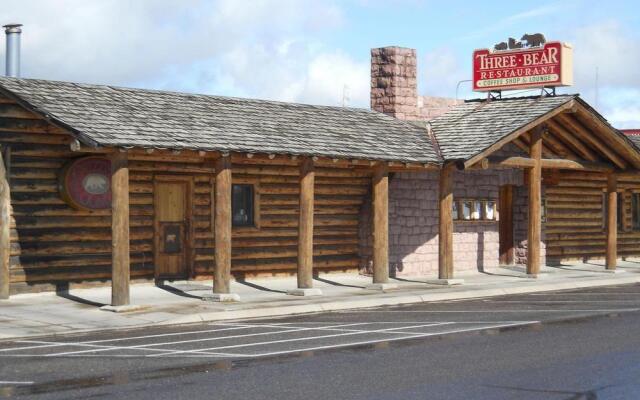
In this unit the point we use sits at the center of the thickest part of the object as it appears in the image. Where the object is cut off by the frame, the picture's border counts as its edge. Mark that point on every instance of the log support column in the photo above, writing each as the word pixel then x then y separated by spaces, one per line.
pixel 222 233
pixel 119 230
pixel 612 222
pixel 445 228
pixel 305 232
pixel 5 231
pixel 380 210
pixel 535 203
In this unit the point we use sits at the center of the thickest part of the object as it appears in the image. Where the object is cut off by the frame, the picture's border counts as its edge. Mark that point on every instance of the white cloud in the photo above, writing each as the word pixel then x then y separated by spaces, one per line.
pixel 441 70
pixel 268 49
pixel 612 49
pixel 330 75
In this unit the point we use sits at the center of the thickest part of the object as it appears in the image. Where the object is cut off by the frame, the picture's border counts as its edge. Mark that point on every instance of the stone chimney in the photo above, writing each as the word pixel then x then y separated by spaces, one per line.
pixel 394 87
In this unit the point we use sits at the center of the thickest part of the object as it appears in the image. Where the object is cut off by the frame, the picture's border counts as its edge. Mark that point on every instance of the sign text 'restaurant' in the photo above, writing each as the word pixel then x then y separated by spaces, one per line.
pixel 534 67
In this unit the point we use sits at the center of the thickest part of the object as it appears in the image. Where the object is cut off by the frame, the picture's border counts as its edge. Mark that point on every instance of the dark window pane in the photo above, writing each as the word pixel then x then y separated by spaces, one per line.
pixel 242 205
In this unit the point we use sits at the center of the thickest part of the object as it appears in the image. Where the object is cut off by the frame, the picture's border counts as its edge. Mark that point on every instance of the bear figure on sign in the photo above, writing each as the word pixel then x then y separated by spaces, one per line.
pixel 514 44
pixel 534 40
pixel 501 46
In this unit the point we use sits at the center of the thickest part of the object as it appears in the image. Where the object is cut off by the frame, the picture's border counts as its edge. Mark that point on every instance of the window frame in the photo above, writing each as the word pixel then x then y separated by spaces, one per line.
pixel 620 211
pixel 254 183
pixel 477 210
pixel 635 211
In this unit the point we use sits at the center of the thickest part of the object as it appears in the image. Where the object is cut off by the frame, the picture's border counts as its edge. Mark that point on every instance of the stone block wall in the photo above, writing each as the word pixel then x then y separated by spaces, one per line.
pixel 430 107
pixel 413 222
pixel 520 222
pixel 394 86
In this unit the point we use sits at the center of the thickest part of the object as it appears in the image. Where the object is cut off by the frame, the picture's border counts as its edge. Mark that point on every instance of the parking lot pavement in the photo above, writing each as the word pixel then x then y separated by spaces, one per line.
pixel 281 336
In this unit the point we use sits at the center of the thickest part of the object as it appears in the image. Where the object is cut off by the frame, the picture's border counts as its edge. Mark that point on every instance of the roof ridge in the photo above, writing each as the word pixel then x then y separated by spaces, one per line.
pixel 174 92
pixel 484 100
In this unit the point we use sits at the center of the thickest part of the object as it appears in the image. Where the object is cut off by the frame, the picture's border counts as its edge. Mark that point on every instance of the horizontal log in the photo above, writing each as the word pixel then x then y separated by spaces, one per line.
pixel 550 163
pixel 76 235
pixel 290 263
pixel 74 274
pixel 572 224
pixel 52 248
pixel 81 222
pixel 85 260
pixel 320 200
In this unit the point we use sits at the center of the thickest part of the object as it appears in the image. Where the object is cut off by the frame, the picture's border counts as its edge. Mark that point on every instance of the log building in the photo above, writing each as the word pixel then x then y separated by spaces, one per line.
pixel 100 183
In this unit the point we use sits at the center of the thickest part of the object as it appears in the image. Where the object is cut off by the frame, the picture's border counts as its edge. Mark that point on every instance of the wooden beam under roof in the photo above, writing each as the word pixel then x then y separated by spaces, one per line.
pixel 617 140
pixel 549 163
pixel 566 107
pixel 584 134
pixel 557 146
pixel 568 138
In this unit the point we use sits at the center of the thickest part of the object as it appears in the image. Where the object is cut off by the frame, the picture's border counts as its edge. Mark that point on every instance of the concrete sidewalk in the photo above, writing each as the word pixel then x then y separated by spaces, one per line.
pixel 181 302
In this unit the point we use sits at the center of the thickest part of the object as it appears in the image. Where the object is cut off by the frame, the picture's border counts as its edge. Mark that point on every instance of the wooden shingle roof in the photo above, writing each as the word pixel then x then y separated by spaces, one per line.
pixel 123 117
pixel 474 126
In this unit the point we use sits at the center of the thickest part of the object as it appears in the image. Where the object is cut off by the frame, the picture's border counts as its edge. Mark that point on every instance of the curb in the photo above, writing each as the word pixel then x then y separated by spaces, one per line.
pixel 390 301
pixel 386 299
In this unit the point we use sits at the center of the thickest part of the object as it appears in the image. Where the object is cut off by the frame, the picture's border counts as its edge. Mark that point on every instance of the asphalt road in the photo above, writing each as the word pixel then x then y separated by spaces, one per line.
pixel 580 344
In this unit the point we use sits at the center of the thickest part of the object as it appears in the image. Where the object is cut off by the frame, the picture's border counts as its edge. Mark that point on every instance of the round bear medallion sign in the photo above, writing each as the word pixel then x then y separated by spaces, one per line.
pixel 85 183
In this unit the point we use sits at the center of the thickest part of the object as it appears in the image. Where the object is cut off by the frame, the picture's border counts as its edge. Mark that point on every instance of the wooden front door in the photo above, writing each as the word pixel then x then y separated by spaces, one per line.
pixel 172 226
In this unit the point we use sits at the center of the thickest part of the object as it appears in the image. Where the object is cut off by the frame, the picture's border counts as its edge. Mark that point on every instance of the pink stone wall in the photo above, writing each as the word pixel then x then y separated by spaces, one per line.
pixel 413 197
pixel 413 222
pixel 394 86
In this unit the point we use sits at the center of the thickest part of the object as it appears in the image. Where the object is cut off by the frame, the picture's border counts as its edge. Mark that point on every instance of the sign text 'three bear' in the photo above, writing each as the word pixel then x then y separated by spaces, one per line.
pixel 546 66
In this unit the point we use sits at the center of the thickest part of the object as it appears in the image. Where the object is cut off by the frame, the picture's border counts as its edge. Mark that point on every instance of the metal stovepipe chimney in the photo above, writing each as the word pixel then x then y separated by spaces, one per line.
pixel 13 32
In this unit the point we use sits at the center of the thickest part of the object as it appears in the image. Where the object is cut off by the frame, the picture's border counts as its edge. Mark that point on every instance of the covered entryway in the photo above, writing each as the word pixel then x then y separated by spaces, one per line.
pixel 172 227
pixel 585 162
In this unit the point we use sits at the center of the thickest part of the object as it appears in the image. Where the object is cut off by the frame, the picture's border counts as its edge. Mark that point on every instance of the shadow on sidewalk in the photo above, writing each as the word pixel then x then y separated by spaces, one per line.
pixel 334 283
pixel 62 290
pixel 176 291
pixel 242 281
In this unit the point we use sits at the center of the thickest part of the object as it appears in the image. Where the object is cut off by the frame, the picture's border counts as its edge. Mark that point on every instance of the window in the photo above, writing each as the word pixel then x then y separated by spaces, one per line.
pixel 489 211
pixel 635 211
pixel 242 205
pixel 475 210
pixel 605 210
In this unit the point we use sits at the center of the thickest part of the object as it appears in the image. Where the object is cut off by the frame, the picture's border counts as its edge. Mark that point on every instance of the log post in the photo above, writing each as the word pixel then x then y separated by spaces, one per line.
pixel 5 231
pixel 381 224
pixel 445 231
pixel 222 270
pixel 505 224
pixel 120 229
pixel 305 226
pixel 535 204
pixel 612 222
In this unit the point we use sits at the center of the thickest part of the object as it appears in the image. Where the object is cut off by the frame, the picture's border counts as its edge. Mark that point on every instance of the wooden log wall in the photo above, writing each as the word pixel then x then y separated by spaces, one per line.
pixel 52 242
pixel 574 229
pixel 339 194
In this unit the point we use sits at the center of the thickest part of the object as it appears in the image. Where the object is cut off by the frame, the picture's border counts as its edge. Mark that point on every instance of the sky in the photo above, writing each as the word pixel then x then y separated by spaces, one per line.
pixel 319 51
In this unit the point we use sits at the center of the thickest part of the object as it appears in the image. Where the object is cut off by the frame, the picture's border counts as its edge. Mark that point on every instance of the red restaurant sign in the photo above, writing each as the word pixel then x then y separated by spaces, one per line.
pixel 549 66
